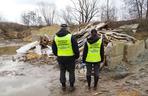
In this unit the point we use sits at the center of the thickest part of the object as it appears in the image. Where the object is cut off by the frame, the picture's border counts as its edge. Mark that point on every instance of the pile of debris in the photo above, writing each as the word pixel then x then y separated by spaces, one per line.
pixel 38 49
pixel 36 52
pixel 106 35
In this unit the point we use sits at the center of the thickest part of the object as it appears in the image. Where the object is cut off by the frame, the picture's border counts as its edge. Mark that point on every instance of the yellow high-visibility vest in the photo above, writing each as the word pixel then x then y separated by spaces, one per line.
pixel 93 54
pixel 64 45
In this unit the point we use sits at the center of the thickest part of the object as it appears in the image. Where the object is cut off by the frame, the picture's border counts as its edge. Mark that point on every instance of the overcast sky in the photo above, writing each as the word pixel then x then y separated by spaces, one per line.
pixel 12 9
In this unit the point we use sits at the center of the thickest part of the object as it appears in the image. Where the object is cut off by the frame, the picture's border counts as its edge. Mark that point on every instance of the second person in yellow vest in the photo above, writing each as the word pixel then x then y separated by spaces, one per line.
pixel 93 55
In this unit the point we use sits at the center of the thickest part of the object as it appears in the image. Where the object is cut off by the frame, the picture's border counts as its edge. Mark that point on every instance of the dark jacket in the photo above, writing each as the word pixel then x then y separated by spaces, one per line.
pixel 75 47
pixel 92 40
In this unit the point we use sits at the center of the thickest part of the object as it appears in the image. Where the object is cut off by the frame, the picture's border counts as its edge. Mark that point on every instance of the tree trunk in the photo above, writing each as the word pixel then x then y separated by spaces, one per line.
pixel 107 10
pixel 138 9
pixel 147 11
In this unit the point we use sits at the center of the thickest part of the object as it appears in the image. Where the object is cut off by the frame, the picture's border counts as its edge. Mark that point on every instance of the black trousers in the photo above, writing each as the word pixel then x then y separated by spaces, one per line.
pixel 70 67
pixel 90 68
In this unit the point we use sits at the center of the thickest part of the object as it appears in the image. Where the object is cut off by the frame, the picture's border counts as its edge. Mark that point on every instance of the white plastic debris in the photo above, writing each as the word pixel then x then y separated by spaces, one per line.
pixel 27 47
pixel 38 50
pixel 47 51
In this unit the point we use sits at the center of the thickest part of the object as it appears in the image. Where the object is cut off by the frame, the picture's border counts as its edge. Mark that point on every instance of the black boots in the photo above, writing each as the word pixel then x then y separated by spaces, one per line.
pixel 71 88
pixel 88 81
pixel 96 78
pixel 63 86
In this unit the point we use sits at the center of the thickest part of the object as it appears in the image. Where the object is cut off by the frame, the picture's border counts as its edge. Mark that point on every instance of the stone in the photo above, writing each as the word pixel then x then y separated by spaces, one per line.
pixel 114 61
pixel 131 50
pixel 120 72
pixel 117 49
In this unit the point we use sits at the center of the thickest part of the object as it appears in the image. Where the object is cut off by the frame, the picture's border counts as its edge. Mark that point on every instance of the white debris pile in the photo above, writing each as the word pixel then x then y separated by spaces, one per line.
pixel 37 51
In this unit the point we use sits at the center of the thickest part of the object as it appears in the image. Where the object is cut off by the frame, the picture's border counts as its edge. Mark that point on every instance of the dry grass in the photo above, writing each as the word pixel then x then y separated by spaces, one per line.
pixel 9 26
pixel 128 93
pixel 49 30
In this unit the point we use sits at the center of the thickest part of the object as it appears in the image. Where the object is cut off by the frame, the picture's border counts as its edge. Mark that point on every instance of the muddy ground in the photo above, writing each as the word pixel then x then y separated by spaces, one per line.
pixel 25 79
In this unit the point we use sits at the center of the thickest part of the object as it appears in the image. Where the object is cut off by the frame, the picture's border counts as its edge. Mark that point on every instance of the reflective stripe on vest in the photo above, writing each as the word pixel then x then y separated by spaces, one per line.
pixel 93 54
pixel 64 45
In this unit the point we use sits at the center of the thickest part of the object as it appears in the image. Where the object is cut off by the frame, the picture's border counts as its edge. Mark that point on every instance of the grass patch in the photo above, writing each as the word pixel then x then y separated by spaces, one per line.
pixel 49 30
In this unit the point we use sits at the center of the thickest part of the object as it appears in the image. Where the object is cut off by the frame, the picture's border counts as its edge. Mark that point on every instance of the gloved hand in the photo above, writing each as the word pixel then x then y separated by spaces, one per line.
pixel 101 63
pixel 82 65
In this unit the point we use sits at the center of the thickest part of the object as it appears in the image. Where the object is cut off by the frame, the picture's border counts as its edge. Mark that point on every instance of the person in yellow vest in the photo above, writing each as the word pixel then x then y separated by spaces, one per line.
pixel 93 55
pixel 65 47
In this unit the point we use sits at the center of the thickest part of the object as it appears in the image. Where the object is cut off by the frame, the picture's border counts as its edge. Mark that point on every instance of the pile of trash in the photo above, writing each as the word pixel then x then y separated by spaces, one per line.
pixel 36 52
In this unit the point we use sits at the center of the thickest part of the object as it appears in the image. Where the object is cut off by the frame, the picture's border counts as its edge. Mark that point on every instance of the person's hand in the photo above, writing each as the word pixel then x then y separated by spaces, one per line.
pixel 101 63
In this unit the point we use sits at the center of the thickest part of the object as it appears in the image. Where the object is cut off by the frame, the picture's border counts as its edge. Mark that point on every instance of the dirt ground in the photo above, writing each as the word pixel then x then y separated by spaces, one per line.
pixel 24 79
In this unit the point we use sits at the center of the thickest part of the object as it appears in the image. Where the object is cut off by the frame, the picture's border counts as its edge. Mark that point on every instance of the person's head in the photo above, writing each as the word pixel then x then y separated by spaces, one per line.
pixel 64 26
pixel 93 32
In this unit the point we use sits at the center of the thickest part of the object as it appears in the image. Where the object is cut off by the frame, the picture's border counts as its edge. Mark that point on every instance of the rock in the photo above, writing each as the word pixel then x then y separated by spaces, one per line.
pixel 114 61
pixel 116 54
pixel 121 75
pixel 120 72
pixel 117 49
pixel 134 50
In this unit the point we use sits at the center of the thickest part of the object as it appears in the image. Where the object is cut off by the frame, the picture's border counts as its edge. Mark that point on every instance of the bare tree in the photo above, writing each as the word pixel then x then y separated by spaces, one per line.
pixel 31 18
pixel 47 11
pixel 108 12
pixel 85 10
pixel 67 15
pixel 136 8
pixel 147 10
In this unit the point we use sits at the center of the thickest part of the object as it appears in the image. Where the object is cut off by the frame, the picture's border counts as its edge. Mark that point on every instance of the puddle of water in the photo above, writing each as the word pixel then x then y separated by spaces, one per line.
pixel 22 86
pixel 36 80
pixel 8 50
